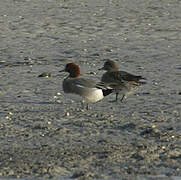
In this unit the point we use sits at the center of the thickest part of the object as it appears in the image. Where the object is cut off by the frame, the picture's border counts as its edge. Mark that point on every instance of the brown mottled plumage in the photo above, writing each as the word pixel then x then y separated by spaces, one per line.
pixel 123 82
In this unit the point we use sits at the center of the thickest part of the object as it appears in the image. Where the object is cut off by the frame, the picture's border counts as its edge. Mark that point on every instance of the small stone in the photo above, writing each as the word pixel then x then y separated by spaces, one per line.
pixel 108 50
pixel 58 101
pixel 67 114
pixel 141 67
pixel 78 174
pixel 45 74
pixel 153 126
pixel 95 54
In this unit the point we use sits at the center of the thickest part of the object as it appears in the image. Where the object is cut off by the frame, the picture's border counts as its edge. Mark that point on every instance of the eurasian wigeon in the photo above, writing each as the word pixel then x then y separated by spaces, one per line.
pixel 88 89
pixel 123 82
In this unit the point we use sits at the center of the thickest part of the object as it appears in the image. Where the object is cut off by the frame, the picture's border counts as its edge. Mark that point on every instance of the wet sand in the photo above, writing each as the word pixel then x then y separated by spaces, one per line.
pixel 46 135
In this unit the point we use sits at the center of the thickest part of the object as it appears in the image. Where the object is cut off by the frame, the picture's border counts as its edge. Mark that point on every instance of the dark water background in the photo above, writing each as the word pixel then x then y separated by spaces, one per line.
pixel 44 134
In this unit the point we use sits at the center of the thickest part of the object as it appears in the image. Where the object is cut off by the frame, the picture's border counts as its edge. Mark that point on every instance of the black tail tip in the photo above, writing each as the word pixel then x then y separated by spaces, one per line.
pixel 107 91
pixel 142 82
pixel 143 78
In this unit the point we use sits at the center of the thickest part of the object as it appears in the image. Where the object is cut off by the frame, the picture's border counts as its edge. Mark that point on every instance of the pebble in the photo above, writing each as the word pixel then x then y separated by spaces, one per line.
pixel 67 114
pixel 45 74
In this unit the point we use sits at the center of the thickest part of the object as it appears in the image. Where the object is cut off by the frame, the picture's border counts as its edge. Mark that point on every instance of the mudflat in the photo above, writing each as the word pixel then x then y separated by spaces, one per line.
pixel 46 135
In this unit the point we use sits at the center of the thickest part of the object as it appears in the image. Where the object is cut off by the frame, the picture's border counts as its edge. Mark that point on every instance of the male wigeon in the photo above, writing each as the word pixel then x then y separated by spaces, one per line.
pixel 123 82
pixel 88 89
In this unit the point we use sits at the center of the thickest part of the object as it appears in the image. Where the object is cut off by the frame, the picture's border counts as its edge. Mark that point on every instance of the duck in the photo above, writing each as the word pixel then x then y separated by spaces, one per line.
pixel 121 81
pixel 89 90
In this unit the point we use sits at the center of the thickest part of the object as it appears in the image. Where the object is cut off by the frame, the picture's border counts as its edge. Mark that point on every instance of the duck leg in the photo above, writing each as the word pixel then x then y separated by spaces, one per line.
pixel 117 97
pixel 122 98
pixel 85 105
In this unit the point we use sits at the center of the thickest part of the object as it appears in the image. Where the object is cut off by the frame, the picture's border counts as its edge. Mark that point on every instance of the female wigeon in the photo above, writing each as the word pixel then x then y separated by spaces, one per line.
pixel 88 89
pixel 123 82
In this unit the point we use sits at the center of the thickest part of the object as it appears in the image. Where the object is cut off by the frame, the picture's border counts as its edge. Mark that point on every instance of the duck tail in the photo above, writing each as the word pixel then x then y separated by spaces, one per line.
pixel 142 82
pixel 139 78
pixel 107 91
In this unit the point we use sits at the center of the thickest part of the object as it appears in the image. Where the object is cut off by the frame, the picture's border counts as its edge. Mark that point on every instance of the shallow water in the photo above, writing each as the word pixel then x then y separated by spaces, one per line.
pixel 45 134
